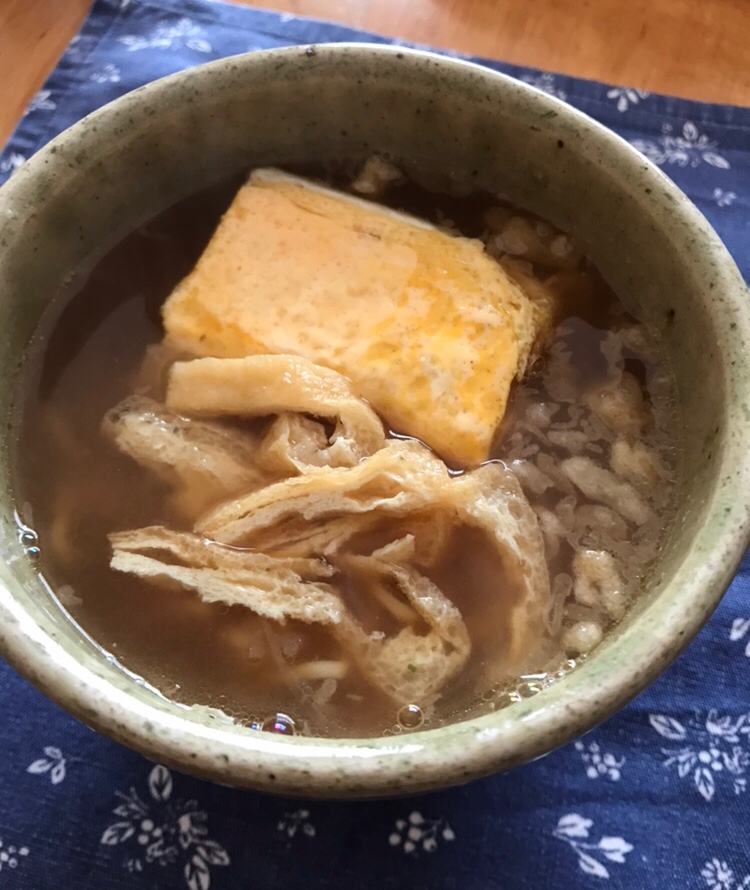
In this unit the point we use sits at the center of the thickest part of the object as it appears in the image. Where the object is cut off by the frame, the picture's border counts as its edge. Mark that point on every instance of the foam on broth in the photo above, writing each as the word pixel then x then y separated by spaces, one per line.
pixel 73 488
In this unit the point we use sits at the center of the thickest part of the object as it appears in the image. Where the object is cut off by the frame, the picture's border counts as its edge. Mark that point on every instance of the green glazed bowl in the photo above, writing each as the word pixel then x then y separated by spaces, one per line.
pixel 445 118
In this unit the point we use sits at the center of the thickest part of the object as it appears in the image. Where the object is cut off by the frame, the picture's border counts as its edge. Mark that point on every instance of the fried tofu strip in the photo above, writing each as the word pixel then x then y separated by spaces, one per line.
pixel 402 480
pixel 202 461
pixel 262 385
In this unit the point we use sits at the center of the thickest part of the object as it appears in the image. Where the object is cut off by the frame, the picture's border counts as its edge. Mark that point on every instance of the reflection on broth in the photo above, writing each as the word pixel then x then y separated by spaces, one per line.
pixel 340 471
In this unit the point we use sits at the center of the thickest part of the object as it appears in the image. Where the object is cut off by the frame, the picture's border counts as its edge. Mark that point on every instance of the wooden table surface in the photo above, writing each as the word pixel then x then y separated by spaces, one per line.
pixel 694 48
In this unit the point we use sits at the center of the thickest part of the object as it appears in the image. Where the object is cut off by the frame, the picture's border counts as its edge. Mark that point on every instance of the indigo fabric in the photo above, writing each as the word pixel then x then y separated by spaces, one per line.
pixel 656 797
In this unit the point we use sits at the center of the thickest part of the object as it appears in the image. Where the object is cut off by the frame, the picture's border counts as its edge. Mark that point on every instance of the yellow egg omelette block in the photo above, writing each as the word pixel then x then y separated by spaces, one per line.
pixel 428 328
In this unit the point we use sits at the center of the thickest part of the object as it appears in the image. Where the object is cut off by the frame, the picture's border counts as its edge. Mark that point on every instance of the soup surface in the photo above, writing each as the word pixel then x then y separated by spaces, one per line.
pixel 587 448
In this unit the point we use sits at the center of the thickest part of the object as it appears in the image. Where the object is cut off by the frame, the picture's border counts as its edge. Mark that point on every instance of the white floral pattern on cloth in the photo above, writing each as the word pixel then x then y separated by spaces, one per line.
pixel 624 97
pixel 719 876
pixel 599 763
pixel 299 820
pixel 79 49
pixel 688 149
pixel 165 832
pixel 184 34
pixel 740 626
pixel 11 856
pixel 12 162
pixel 108 73
pixel 74 52
pixel 546 83
pixel 712 751
pixel 52 764
pixel 417 833
pixel 574 830
pixel 41 102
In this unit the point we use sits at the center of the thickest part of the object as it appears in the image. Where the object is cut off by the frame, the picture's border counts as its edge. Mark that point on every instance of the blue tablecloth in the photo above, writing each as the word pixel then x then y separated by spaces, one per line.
pixel 656 797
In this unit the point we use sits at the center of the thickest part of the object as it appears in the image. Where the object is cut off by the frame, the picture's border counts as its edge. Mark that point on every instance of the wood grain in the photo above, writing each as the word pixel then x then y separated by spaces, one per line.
pixel 694 48
pixel 33 35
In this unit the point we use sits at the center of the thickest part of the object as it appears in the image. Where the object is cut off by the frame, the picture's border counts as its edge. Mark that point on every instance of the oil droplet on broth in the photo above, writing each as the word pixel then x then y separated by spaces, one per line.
pixel 280 723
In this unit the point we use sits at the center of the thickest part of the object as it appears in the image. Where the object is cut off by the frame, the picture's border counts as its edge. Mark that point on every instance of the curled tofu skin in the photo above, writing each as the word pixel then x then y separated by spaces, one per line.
pixel 436 656
pixel 201 461
pixel 403 480
pixel 260 385
pixel 272 587
pixel 282 510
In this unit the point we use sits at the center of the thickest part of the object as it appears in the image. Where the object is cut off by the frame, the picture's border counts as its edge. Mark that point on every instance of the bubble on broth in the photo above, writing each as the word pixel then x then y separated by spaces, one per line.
pixel 410 717
pixel 526 690
pixel 27 537
pixel 506 698
pixel 282 724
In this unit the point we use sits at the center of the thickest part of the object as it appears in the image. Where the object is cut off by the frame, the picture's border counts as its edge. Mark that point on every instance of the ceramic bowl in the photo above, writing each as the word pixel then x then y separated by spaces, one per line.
pixel 444 118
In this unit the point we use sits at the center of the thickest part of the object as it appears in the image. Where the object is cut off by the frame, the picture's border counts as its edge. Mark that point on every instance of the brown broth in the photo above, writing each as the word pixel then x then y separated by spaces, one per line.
pixel 73 487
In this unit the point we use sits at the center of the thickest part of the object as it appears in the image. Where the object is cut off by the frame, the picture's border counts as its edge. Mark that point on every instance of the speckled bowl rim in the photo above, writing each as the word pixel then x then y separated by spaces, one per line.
pixel 196 742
